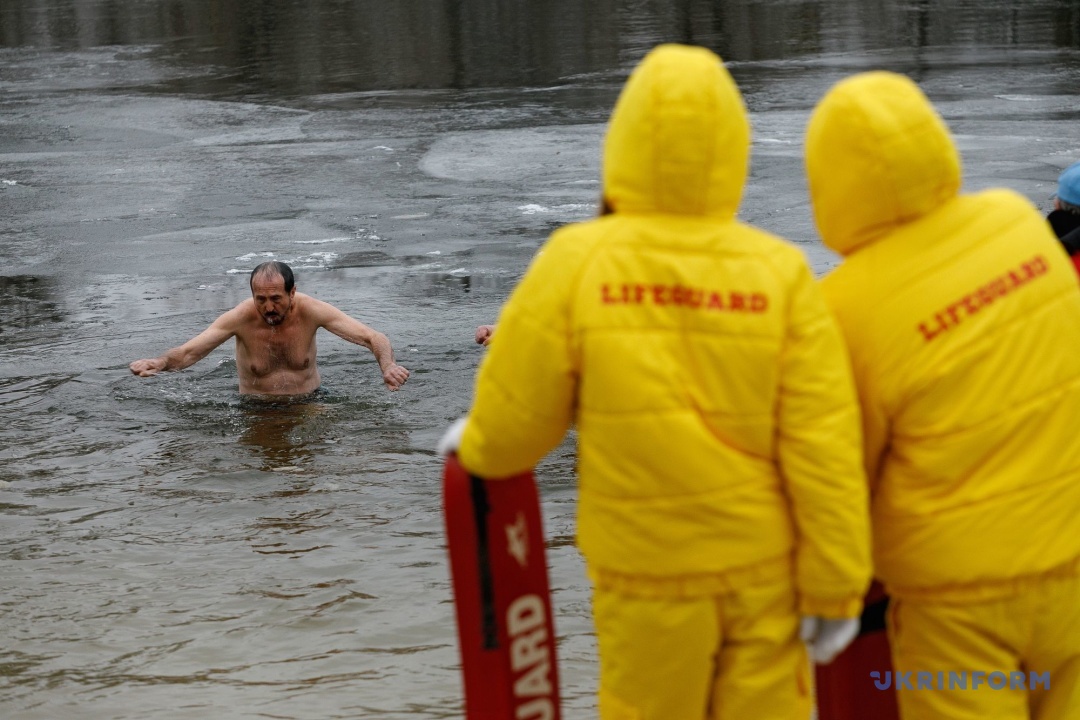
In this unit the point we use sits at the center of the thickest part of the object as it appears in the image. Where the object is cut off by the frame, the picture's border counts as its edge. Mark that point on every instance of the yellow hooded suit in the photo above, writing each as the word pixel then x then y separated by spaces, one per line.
pixel 718 432
pixel 962 316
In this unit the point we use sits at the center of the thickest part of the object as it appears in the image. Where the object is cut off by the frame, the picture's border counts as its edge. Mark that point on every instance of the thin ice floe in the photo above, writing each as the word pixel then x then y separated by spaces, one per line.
pixel 570 208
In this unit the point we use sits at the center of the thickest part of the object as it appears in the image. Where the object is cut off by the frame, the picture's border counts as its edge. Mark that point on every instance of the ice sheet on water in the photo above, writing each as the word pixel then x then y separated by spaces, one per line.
pixel 315 260
pixel 580 209
pixel 312 261
pixel 536 155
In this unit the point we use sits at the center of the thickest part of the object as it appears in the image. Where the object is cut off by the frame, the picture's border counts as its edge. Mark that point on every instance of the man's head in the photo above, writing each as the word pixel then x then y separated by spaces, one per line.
pixel 272 290
pixel 1068 194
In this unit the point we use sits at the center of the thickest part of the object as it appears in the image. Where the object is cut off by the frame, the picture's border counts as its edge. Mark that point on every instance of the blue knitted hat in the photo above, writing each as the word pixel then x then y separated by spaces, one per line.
pixel 1069 185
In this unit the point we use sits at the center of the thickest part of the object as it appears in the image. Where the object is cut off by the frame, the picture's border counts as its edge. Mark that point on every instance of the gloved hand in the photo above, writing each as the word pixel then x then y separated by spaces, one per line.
pixel 826 638
pixel 451 439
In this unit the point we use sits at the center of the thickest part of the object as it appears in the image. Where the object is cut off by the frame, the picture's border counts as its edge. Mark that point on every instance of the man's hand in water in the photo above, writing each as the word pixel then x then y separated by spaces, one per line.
pixel 395 376
pixel 146 368
pixel 484 333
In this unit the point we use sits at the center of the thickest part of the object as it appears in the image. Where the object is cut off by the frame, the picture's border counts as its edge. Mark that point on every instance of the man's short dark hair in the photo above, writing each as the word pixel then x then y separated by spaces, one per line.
pixel 1069 207
pixel 269 270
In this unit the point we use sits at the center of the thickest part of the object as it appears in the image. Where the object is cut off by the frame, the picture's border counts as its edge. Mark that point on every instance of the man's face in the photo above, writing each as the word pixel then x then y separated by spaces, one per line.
pixel 271 300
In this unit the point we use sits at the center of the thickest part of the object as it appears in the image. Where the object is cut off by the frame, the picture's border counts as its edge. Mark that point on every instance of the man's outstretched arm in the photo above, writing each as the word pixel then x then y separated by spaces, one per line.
pixel 354 331
pixel 192 351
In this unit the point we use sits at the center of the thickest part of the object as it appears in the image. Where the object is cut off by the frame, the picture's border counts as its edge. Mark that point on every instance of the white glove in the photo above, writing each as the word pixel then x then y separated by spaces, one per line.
pixel 451 439
pixel 826 638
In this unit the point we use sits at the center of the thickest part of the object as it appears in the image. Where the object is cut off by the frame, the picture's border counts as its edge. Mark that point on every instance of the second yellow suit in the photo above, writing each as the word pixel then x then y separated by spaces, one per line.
pixel 962 317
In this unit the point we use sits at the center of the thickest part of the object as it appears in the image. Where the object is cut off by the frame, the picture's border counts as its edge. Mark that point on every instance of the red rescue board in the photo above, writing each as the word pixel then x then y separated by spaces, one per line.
pixel 845 690
pixel 498 568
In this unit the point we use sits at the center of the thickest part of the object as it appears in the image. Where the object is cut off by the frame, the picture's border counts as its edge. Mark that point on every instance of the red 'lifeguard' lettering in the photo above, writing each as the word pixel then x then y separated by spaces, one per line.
pixel 683 296
pixel 530 658
pixel 955 313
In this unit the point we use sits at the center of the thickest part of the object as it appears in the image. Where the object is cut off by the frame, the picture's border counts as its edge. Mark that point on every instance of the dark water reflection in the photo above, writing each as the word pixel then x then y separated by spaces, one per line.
pixel 27 301
pixel 305 47
pixel 274 431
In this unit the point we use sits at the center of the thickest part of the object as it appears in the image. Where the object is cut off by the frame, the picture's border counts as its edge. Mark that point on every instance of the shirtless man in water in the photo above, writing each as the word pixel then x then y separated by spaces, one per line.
pixel 275 339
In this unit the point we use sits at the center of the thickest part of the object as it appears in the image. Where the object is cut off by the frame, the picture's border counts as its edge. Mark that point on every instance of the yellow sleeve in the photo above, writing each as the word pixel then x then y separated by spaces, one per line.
pixel 875 426
pixel 844 305
pixel 820 455
pixel 525 390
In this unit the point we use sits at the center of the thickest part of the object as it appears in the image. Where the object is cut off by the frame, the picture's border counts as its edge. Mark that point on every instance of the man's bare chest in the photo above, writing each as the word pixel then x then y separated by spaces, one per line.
pixel 268 350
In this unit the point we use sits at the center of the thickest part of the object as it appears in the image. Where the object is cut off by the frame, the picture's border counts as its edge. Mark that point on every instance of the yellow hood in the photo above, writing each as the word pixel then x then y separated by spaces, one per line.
pixel 877 156
pixel 676 144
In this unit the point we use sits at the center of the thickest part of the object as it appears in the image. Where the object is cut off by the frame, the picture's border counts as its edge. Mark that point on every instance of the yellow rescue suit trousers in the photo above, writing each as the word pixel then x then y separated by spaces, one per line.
pixel 735 656
pixel 1030 638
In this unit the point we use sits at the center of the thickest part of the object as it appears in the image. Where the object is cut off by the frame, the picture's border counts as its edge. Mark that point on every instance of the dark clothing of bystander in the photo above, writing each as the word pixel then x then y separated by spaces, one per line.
pixel 1066 226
